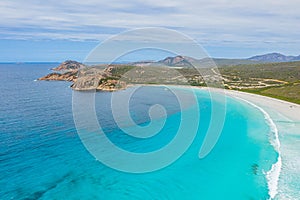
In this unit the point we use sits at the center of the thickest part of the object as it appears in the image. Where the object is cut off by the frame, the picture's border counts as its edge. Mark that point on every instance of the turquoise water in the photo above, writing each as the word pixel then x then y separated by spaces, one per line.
pixel 42 156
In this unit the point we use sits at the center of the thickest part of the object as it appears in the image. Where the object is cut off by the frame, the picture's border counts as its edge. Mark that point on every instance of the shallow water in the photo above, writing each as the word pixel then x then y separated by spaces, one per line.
pixel 42 156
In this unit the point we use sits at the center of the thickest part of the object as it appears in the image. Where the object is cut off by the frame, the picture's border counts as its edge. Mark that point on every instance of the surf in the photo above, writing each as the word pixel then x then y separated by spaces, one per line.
pixel 274 173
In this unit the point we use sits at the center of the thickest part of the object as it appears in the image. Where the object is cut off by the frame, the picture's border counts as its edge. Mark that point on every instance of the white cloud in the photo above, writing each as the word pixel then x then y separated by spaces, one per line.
pixel 210 20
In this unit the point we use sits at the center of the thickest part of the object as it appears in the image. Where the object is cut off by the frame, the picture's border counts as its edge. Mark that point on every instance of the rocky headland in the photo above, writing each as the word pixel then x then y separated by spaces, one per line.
pixel 85 78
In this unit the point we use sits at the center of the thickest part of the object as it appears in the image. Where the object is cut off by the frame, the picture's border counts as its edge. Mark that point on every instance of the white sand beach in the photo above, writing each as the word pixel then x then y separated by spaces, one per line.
pixel 287 109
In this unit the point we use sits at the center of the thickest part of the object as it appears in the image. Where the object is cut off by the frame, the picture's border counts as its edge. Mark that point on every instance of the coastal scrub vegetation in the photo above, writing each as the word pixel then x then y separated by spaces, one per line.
pixel 278 80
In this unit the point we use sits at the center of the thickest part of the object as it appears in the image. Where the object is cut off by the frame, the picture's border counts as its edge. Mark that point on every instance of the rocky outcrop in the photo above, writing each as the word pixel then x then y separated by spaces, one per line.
pixel 97 79
pixel 68 76
pixel 112 85
pixel 69 65
pixel 86 78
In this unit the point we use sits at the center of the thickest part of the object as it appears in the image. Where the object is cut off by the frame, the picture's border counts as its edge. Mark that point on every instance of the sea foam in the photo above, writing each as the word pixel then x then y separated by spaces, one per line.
pixel 274 173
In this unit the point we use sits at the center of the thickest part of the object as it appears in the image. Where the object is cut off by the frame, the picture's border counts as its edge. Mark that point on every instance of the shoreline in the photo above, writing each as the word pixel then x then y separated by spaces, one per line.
pixel 273 109
pixel 288 109
pixel 265 105
pixel 285 108
pixel 273 174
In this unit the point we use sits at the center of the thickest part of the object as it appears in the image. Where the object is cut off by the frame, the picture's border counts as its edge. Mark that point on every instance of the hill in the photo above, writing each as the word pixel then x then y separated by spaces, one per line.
pixel 185 61
pixel 274 57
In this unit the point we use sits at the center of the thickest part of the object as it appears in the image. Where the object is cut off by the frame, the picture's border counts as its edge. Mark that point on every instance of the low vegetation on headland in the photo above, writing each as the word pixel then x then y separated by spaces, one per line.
pixel 280 80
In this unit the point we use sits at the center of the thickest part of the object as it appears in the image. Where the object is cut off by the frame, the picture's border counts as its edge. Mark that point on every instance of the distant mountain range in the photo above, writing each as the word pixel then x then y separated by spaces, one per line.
pixel 185 61
pixel 275 57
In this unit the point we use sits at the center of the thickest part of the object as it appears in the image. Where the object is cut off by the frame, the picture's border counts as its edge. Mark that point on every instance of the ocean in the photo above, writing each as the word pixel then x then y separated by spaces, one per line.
pixel 42 156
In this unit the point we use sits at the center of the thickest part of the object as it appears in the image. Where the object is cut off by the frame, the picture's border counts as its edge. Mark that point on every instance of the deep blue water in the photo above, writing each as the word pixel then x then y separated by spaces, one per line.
pixel 42 156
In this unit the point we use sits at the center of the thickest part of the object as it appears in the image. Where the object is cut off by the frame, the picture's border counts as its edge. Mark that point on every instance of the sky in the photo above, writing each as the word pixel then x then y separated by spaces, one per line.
pixel 39 30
